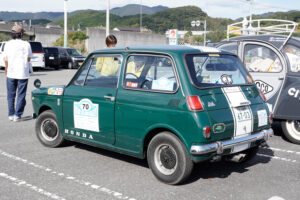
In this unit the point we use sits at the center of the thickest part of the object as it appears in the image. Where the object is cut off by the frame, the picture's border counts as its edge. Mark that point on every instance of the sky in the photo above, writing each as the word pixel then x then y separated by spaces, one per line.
pixel 214 8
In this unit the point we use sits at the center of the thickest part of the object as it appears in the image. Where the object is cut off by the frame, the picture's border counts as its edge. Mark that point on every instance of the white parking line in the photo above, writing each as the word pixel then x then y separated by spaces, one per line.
pixel 282 150
pixel 23 183
pixel 277 158
pixel 100 188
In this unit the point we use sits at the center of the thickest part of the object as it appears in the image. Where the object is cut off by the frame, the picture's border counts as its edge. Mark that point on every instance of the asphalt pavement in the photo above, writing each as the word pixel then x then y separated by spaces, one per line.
pixel 30 171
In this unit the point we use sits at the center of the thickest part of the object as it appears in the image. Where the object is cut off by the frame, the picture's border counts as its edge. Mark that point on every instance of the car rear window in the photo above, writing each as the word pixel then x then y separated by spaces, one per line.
pixel 36 47
pixel 213 70
pixel 51 50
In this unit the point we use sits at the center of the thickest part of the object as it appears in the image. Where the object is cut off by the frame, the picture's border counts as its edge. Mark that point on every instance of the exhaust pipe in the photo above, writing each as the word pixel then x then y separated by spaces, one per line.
pixel 237 158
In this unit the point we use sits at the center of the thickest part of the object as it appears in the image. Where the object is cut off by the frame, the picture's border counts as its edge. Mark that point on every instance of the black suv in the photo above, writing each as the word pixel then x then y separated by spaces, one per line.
pixel 59 56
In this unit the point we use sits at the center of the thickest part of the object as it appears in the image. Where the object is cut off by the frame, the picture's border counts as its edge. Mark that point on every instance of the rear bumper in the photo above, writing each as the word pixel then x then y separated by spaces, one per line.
pixel 220 146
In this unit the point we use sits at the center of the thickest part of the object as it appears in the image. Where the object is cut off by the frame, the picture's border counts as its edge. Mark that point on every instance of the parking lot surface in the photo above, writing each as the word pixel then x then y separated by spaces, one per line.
pixel 28 170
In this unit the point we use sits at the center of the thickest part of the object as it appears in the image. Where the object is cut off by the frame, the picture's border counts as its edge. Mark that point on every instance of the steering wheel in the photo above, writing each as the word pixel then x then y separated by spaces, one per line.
pixel 146 84
pixel 131 75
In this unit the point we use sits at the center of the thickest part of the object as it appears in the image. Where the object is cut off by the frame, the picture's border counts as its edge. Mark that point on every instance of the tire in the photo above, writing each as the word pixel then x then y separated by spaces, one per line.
pixel 70 65
pixel 168 159
pixel 47 129
pixel 291 130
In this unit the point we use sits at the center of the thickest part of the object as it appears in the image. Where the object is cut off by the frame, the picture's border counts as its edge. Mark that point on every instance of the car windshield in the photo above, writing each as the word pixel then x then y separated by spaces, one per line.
pixel 51 50
pixel 213 70
pixel 293 54
pixel 73 52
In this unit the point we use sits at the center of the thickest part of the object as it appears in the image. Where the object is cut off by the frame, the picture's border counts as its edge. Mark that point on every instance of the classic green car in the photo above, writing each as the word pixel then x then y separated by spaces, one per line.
pixel 174 105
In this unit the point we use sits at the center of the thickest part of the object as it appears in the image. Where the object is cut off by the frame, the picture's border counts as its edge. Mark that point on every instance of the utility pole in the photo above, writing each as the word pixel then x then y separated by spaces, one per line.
pixel 141 16
pixel 204 42
pixel 107 17
pixel 65 24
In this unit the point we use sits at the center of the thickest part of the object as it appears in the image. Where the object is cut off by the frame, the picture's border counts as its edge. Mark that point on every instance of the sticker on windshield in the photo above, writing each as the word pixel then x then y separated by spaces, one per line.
pixel 226 79
pixel 86 115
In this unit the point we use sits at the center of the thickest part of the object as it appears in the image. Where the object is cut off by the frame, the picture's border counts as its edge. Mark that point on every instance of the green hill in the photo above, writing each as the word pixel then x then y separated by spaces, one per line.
pixel 134 9
pixel 178 18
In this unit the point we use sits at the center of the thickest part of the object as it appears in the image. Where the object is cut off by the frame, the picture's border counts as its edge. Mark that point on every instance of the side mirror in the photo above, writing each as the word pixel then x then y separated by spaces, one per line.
pixel 37 83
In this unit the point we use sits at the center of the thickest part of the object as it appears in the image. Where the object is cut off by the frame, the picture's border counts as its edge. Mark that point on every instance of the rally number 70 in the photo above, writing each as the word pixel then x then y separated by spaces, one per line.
pixel 85 106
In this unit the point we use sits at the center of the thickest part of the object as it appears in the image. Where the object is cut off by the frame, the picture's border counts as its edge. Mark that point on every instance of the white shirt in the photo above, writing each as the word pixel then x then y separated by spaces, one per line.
pixel 17 53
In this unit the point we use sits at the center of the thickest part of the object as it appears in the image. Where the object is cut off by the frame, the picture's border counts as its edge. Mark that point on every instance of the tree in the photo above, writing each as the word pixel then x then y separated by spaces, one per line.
pixel 3 37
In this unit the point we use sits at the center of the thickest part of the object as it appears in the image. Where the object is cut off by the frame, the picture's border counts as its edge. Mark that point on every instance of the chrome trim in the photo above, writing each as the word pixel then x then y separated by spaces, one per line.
pixel 220 146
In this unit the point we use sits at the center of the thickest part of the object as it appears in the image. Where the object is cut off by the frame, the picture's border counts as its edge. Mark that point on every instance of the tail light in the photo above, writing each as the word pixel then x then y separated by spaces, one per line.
pixel 37 52
pixel 262 95
pixel 271 118
pixel 206 132
pixel 194 103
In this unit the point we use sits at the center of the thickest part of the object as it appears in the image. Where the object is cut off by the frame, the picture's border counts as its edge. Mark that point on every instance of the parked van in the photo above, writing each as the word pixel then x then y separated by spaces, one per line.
pixel 38 57
pixel 2 44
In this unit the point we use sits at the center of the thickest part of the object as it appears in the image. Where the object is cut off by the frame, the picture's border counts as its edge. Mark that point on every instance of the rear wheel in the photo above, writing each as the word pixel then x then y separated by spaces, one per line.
pixel 291 129
pixel 168 159
pixel 47 129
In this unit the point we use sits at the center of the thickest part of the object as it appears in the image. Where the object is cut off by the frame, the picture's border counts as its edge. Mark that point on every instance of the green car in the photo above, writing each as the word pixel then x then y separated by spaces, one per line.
pixel 174 105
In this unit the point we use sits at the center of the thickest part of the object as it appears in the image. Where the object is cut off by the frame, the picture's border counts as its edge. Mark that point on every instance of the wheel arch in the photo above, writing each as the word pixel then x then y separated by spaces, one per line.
pixel 153 131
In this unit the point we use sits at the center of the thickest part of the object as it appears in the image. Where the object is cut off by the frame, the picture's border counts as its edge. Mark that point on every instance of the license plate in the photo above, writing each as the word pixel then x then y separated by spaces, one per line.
pixel 51 58
pixel 243 114
pixel 240 147
pixel 80 63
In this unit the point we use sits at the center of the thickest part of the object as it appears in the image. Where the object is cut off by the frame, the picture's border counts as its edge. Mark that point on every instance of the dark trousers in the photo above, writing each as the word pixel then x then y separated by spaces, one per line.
pixel 16 86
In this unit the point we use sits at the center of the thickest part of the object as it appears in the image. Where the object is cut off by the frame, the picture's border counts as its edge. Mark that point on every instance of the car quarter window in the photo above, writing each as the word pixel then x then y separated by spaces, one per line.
pixel 152 73
pixel 79 80
pixel 293 54
pixel 104 71
pixel 259 58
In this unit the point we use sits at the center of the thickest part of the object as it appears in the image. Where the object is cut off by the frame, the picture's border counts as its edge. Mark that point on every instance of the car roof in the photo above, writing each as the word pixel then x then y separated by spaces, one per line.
pixel 163 49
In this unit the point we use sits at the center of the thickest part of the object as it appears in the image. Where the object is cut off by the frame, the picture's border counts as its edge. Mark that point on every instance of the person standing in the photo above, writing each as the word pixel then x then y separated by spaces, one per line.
pixel 17 55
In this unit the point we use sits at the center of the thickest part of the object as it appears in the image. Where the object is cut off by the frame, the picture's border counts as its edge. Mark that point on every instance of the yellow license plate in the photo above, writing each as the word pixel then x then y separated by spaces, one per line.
pixel 80 63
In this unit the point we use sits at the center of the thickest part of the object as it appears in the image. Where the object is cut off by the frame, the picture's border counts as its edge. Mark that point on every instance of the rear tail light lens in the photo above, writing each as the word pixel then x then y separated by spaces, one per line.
pixel 262 95
pixel 206 132
pixel 194 103
pixel 271 118
pixel 37 52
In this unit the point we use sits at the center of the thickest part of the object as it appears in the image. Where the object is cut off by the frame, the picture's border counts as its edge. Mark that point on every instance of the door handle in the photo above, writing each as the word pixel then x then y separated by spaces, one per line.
pixel 280 78
pixel 110 98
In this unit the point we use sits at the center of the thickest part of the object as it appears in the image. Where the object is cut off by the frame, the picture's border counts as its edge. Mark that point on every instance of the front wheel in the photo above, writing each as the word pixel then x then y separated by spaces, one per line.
pixel 291 129
pixel 47 129
pixel 168 159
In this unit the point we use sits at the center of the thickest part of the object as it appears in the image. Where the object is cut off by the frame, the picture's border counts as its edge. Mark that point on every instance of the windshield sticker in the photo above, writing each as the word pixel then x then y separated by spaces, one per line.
pixel 226 79
pixel 163 84
pixel 262 118
pixel 294 93
pixel 86 115
pixel 55 91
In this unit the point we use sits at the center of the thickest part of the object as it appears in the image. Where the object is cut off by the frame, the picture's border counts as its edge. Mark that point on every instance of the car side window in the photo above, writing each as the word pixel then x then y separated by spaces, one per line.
pixel 259 58
pixel 231 47
pixel 293 54
pixel 82 75
pixel 152 73
pixel 104 71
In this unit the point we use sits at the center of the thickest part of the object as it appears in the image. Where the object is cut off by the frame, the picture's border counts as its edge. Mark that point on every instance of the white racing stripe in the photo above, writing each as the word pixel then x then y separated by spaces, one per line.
pixel 99 188
pixel 277 158
pixel 25 184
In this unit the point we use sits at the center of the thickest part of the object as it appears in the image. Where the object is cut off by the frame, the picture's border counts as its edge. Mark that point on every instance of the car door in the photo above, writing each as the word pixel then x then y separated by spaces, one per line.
pixel 89 101
pixel 267 67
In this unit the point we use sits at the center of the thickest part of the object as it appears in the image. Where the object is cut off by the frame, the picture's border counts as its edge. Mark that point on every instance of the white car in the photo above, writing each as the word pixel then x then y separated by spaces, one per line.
pixel 37 59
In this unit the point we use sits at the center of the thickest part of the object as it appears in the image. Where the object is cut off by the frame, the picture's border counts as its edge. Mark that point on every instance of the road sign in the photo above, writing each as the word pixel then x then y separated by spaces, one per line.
pixel 193 23
pixel 173 37
pixel 198 23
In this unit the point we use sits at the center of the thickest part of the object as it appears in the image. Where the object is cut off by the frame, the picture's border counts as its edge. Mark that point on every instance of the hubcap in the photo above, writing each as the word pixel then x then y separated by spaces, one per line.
pixel 49 129
pixel 297 125
pixel 165 159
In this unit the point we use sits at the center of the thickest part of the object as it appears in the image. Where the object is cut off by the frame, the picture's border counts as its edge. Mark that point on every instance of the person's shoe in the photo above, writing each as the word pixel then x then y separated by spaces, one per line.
pixel 11 118
pixel 17 118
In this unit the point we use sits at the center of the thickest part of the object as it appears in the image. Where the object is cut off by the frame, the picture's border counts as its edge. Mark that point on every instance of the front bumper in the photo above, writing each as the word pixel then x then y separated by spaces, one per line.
pixel 219 146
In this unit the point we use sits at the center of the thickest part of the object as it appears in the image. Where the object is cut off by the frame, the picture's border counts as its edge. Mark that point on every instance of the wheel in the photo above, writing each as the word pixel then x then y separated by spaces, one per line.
pixel 168 159
pixel 70 65
pixel 47 130
pixel 291 129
